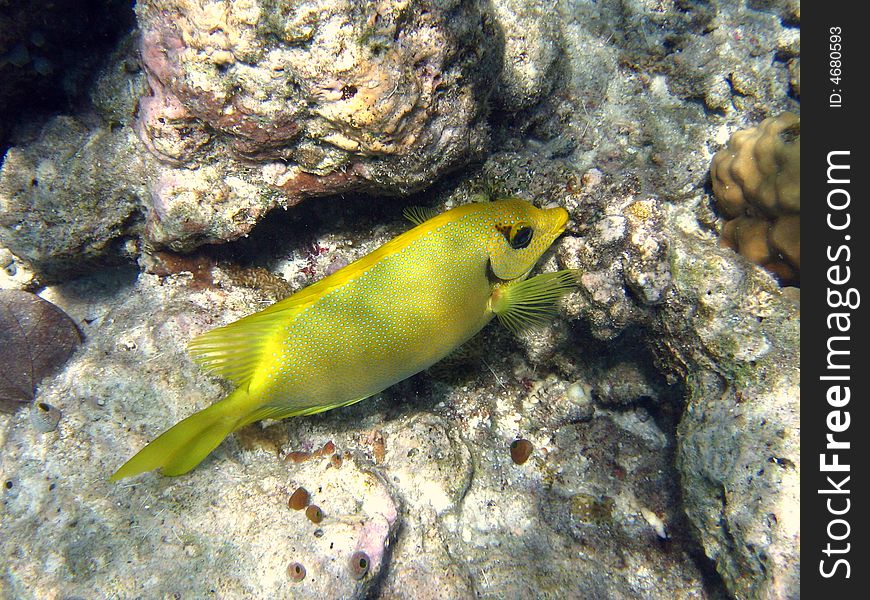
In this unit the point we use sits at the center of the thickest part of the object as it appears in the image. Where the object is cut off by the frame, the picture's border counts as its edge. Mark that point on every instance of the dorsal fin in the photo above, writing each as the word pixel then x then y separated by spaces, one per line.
pixel 236 350
pixel 419 214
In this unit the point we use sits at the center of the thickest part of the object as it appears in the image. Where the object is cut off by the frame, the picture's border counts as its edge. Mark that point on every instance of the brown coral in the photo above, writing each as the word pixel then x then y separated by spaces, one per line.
pixel 756 180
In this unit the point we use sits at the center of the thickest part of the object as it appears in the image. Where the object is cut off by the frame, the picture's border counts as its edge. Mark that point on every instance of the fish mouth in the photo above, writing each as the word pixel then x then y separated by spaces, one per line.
pixel 561 221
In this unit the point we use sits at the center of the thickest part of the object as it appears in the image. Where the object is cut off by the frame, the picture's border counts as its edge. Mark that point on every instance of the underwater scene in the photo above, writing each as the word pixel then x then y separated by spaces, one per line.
pixel 400 299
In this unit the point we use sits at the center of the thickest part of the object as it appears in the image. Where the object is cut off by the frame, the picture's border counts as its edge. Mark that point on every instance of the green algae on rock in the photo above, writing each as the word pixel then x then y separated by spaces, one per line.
pixel 591 509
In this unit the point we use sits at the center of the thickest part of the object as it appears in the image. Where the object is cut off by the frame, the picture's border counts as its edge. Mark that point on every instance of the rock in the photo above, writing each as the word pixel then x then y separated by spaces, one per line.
pixel 619 129
pixel 254 107
pixel 207 533
pixel 732 66
pixel 425 484
pixel 737 340
pixel 648 106
pixel 285 103
pixel 714 324
pixel 532 44
pixel 119 84
pixel 623 130
pixel 624 384
pixel 71 198
pixel 622 253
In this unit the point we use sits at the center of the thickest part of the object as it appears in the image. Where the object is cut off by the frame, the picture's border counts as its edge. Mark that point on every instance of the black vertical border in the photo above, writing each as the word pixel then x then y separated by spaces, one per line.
pixel 827 129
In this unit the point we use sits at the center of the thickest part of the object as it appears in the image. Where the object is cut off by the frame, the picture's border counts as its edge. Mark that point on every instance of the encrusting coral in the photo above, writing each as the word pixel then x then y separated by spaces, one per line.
pixel 756 180
pixel 386 97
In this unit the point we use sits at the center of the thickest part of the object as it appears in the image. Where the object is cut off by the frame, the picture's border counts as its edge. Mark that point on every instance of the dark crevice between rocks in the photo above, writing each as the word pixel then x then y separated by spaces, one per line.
pixel 666 408
pixel 353 216
pixel 103 284
pixel 49 54
pixel 682 530
pixel 712 581
pixel 713 584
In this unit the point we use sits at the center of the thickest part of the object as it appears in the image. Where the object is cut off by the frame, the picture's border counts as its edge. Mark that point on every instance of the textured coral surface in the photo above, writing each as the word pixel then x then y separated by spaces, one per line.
pixel 324 96
pixel 660 407
pixel 757 183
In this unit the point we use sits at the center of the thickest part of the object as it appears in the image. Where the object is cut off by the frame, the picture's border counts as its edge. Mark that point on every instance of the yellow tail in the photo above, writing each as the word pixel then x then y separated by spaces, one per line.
pixel 187 443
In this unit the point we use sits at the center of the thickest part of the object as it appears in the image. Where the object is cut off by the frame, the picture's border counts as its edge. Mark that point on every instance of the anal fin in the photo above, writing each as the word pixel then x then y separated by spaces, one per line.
pixel 278 412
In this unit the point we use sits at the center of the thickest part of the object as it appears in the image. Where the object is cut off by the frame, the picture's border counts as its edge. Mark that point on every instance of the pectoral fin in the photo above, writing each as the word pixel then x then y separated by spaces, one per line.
pixel 524 304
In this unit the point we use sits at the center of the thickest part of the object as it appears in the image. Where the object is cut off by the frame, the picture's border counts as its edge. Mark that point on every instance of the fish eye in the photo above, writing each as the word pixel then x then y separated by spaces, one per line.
pixel 520 237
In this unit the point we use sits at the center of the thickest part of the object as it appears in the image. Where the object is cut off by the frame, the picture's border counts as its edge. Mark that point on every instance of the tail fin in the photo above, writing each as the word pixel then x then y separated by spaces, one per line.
pixel 183 446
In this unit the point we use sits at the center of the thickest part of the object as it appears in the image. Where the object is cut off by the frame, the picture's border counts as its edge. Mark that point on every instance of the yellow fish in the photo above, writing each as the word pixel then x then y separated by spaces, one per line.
pixel 381 319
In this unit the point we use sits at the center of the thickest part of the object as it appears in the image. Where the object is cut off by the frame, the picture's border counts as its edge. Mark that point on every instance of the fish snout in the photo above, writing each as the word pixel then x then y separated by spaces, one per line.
pixel 560 220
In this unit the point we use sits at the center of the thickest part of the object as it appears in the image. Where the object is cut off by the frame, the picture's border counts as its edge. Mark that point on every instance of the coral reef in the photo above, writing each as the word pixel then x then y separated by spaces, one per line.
pixel 757 183
pixel 724 56
pixel 661 409
pixel 654 274
pixel 101 546
pixel 425 482
pixel 72 189
pixel 531 53
pixel 623 254
pixel 252 107
pixel 736 339
pixel 730 336
pixel 249 106
pixel 323 97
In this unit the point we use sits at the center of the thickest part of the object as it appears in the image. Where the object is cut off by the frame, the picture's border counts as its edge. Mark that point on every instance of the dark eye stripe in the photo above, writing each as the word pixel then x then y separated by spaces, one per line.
pixel 522 238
